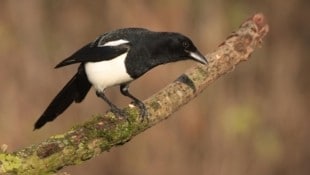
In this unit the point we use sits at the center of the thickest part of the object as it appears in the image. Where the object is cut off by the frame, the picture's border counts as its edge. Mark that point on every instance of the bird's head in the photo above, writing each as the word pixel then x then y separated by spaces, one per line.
pixel 177 47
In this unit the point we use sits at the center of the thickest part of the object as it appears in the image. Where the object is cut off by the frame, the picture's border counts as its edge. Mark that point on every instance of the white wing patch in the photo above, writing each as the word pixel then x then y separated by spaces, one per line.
pixel 104 74
pixel 114 43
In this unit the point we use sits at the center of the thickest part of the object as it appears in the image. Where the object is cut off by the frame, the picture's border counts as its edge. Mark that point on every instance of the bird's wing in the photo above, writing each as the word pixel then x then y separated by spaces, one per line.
pixel 97 51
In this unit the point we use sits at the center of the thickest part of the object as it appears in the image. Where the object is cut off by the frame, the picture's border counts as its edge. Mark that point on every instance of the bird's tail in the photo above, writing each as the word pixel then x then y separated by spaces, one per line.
pixel 74 91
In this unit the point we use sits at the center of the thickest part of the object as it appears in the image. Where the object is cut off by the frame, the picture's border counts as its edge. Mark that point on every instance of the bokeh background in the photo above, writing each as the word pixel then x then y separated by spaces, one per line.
pixel 254 120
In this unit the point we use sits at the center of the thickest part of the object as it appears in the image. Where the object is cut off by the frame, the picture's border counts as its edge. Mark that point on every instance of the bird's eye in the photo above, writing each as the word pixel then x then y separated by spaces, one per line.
pixel 185 44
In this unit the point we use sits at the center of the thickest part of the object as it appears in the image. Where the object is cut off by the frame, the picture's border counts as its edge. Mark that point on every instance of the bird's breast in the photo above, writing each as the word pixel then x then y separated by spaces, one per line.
pixel 104 74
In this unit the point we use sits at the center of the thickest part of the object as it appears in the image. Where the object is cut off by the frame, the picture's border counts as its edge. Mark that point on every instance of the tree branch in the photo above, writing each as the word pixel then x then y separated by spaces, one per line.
pixel 103 132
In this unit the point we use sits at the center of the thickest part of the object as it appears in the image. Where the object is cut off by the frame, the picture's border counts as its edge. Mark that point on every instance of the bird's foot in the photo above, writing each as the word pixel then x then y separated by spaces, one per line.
pixel 143 111
pixel 118 111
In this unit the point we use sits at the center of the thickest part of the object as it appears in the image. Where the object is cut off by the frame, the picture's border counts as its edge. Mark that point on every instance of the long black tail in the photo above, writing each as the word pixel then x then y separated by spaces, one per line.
pixel 75 90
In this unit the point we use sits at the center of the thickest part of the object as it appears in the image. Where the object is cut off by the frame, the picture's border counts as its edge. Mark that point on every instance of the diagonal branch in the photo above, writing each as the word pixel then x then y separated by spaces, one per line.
pixel 103 132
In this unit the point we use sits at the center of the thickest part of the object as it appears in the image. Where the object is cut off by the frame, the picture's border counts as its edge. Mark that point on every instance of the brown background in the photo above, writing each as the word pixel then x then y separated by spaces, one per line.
pixel 253 121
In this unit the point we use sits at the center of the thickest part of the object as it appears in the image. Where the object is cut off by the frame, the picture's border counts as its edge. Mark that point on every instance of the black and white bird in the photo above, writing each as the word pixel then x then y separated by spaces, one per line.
pixel 118 58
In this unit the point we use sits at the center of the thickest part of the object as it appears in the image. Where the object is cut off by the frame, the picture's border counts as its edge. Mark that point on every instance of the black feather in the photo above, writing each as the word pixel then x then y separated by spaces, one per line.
pixel 92 53
pixel 75 90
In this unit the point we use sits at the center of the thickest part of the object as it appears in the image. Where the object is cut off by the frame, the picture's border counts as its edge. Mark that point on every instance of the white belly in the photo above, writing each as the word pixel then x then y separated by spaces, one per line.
pixel 109 73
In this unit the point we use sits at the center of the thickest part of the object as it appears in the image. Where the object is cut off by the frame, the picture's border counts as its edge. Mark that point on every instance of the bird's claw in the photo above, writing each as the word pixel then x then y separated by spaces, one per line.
pixel 118 112
pixel 143 111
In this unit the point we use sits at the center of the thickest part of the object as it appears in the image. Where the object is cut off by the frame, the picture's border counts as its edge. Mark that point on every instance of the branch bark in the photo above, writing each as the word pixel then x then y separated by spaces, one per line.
pixel 103 132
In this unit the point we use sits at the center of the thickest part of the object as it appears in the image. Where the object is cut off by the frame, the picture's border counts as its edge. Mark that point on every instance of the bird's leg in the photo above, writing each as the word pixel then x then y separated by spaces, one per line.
pixel 137 102
pixel 113 107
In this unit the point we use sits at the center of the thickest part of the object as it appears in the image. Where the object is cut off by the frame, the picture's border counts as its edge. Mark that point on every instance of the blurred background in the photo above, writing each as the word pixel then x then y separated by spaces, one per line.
pixel 255 120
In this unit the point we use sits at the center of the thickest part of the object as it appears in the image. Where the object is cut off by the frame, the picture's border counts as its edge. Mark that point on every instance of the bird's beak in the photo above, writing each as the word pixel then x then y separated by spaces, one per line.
pixel 197 56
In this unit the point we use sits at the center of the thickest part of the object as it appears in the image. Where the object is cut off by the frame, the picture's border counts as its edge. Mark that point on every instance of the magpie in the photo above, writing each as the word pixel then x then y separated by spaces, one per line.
pixel 117 58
